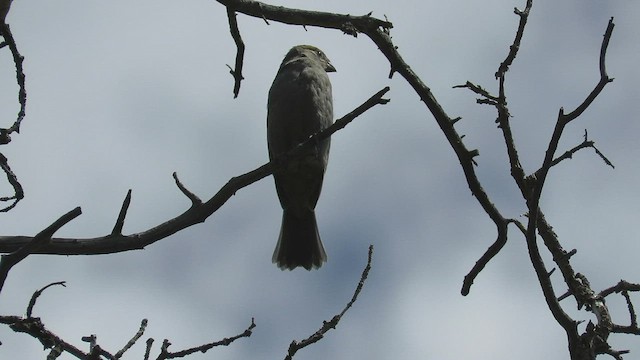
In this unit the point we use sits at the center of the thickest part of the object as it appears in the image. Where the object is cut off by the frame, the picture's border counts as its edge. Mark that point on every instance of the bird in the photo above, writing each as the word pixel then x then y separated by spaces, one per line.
pixel 300 104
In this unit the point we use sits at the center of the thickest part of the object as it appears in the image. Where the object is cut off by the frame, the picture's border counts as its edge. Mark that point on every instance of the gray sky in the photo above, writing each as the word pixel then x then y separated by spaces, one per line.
pixel 121 94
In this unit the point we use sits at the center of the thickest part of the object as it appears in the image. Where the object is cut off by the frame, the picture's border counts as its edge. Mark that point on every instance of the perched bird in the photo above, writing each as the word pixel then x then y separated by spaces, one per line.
pixel 300 104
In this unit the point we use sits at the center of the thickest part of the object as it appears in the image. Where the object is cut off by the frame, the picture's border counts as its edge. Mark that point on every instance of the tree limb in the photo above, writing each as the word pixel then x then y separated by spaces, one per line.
pixel 33 245
pixel 331 324
pixel 197 213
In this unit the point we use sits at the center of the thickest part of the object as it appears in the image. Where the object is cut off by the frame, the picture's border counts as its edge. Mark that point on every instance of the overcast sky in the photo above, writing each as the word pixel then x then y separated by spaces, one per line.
pixel 123 93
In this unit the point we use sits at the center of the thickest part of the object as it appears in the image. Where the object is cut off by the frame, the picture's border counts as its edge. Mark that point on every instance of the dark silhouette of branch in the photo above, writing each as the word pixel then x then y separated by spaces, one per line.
pixel 331 324
pixel 18 192
pixel 117 228
pixel 36 294
pixel 34 327
pixel 147 350
pixel 586 143
pixel 197 213
pixel 5 31
pixel 5 134
pixel 500 103
pixel 594 339
pixel 534 199
pixel 166 354
pixel 349 24
pixel 623 288
pixel 236 71
pixel 34 244
pixel 195 200
pixel 130 343
pixel 619 287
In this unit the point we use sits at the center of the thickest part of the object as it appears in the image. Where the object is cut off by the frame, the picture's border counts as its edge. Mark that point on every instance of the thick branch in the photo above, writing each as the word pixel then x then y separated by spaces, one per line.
pixel 34 244
pixel 35 328
pixel 349 24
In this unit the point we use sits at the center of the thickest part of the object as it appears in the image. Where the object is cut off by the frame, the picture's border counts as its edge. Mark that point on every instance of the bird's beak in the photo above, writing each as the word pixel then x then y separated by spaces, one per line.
pixel 329 68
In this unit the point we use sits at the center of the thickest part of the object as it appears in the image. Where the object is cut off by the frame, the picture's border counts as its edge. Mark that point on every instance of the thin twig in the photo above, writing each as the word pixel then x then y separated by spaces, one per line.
pixel 130 343
pixel 20 77
pixel 195 200
pixel 147 350
pixel 236 72
pixel 331 324
pixel 36 294
pixel 166 354
pixel 604 79
pixel 117 228
pixel 586 143
pixel 513 50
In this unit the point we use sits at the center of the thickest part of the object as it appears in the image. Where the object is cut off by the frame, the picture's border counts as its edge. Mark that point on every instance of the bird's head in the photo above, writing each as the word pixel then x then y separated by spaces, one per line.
pixel 312 53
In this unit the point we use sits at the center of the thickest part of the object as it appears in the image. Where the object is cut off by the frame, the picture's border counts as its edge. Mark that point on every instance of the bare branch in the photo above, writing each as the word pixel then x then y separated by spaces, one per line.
pixel 622 285
pixel 492 251
pixel 147 351
pixel 130 343
pixel 35 328
pixel 623 288
pixel 36 294
pixel 18 192
pixel 604 79
pixel 513 50
pixel 34 244
pixel 632 312
pixel 586 143
pixel 117 228
pixel 20 77
pixel 487 99
pixel 348 24
pixel 195 200
pixel 535 215
pixel 531 188
pixel 331 324
pixel 236 72
pixel 500 103
pixel 166 354
pixel 95 351
pixel 195 214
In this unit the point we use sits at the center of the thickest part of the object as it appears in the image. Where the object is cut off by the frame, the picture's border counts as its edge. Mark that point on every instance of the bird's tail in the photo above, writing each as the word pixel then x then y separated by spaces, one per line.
pixel 299 243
